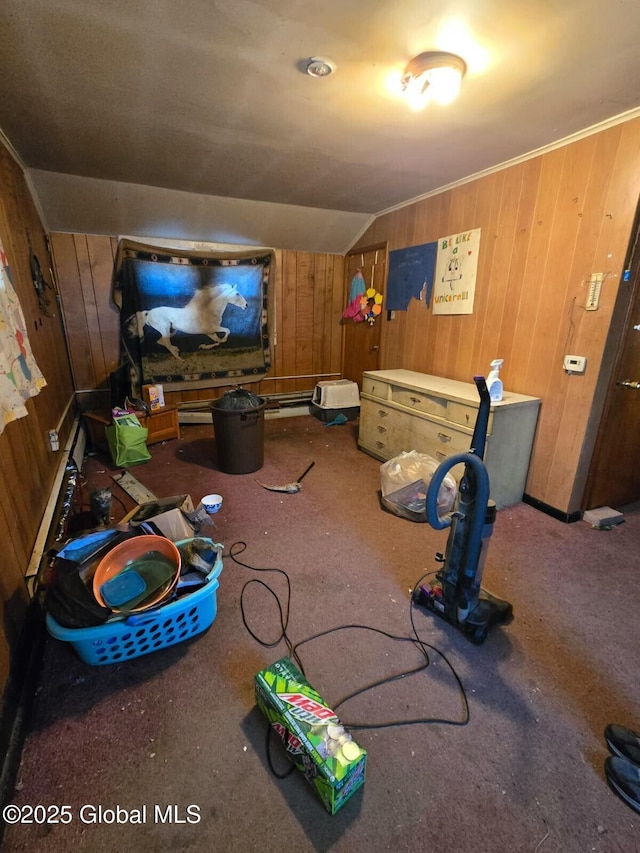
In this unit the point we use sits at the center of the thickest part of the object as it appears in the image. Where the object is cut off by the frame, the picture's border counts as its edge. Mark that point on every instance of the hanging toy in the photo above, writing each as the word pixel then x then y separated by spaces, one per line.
pixel 371 305
pixel 356 289
pixel 358 286
pixel 364 303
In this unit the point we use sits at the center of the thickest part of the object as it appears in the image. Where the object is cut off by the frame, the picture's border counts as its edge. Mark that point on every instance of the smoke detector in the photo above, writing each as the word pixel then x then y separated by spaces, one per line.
pixel 319 66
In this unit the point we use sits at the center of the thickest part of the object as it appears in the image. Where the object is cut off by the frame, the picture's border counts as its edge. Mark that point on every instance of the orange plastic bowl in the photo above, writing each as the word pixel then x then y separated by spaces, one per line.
pixel 125 553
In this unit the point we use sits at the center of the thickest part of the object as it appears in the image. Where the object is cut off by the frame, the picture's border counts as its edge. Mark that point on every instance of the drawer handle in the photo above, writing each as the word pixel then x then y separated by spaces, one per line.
pixel 416 400
pixel 440 454
pixel 380 444
pixel 444 437
pixel 382 413
pixel 381 428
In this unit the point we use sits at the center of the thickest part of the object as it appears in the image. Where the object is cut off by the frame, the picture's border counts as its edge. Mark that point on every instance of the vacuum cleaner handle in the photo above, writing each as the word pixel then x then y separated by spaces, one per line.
pixel 479 437
pixel 477 516
pixel 482 495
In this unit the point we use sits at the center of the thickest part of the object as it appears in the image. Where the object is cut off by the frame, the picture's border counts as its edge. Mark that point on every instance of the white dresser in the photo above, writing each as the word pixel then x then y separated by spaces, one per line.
pixel 404 410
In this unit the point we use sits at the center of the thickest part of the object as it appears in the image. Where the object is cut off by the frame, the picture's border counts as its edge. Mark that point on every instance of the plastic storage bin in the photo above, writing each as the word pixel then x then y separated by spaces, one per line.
pixel 336 394
pixel 238 426
pixel 337 397
pixel 146 632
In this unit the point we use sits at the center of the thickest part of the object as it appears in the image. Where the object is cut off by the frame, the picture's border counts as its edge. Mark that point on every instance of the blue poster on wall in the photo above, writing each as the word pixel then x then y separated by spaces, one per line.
pixel 411 273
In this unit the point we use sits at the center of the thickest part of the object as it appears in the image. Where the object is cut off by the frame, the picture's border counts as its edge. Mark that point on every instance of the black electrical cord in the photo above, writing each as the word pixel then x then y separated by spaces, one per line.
pixel 419 644
pixel 239 547
pixel 282 611
pixel 270 760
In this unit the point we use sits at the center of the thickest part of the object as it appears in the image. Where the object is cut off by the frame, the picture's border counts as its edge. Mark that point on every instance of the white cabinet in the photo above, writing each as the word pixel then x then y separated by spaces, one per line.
pixel 404 410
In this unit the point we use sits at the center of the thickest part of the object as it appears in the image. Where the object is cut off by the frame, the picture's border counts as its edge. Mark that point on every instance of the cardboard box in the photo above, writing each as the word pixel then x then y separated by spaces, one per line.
pixel 154 396
pixel 312 734
pixel 169 515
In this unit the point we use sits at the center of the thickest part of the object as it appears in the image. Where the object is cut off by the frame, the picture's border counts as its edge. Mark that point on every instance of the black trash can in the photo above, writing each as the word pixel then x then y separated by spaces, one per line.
pixel 238 426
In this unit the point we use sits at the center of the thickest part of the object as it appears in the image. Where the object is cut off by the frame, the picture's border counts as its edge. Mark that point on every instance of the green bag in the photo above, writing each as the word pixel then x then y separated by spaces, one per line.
pixel 127 440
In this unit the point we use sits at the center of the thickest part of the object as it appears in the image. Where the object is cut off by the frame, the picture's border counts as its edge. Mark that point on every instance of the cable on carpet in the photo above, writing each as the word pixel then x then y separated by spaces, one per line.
pixel 284 609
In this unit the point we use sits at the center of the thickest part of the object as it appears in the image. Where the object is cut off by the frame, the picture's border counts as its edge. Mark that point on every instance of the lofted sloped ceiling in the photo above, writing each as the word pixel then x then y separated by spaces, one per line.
pixel 196 120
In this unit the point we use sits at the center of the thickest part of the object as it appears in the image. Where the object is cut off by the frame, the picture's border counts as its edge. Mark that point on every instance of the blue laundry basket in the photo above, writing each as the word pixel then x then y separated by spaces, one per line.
pixel 148 631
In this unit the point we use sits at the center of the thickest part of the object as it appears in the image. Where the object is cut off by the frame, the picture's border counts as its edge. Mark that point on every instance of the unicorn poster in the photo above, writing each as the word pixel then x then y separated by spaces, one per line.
pixel 192 320
pixel 455 277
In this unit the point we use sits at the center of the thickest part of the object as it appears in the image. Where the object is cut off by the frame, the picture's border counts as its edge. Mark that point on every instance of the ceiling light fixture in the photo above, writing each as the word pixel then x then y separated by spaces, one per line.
pixel 433 76
pixel 318 66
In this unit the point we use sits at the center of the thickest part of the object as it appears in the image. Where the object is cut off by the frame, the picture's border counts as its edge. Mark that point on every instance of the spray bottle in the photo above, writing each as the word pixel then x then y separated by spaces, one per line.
pixel 494 383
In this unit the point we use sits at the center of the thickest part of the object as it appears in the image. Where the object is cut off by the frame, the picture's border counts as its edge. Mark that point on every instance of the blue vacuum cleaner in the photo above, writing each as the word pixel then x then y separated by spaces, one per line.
pixel 456 593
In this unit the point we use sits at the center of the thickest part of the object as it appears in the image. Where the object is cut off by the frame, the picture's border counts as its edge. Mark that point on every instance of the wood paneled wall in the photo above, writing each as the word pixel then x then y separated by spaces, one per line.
pixel 84 264
pixel 547 224
pixel 28 466
pixel 306 307
pixel 309 304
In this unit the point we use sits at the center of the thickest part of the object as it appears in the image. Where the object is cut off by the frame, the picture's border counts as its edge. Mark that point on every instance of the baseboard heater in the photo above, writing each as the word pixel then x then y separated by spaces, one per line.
pixel 286 405
pixel 26 655
pixel 56 514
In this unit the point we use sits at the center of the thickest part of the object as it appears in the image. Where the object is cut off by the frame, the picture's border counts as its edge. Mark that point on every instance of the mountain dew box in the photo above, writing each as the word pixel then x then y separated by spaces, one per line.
pixel 312 734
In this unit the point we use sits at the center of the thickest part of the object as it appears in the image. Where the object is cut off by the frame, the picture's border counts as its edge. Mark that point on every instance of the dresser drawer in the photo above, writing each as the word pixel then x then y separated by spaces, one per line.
pixel 375 412
pixel 375 387
pixel 383 430
pixel 419 401
pixel 442 436
pixel 466 414
pixel 429 403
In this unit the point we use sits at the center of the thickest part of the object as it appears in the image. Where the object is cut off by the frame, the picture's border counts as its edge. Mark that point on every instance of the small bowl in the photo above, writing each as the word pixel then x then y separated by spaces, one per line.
pixel 119 557
pixel 212 503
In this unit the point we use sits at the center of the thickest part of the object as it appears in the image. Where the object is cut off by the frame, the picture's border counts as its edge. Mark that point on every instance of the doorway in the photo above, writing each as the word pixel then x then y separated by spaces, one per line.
pixel 614 474
pixel 362 339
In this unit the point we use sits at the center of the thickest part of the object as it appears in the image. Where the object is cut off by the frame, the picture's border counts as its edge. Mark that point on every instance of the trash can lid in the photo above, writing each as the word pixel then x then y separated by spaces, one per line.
pixel 239 398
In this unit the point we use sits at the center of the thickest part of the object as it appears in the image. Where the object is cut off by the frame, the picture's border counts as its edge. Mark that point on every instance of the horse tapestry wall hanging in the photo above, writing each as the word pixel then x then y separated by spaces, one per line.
pixel 190 319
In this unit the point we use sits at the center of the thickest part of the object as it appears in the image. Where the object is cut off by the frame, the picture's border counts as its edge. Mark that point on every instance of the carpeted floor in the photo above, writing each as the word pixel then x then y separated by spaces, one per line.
pixel 180 727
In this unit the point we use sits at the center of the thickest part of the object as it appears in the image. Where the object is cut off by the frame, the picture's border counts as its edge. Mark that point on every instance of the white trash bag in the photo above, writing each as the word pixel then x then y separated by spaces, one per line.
pixel 404 482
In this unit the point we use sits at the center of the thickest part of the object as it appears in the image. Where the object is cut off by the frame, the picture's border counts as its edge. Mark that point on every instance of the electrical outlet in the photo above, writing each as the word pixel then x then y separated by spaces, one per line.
pixel 54 439
pixel 575 363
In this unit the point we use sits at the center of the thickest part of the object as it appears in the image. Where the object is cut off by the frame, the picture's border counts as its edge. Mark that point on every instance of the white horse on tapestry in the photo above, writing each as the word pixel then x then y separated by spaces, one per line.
pixel 201 316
